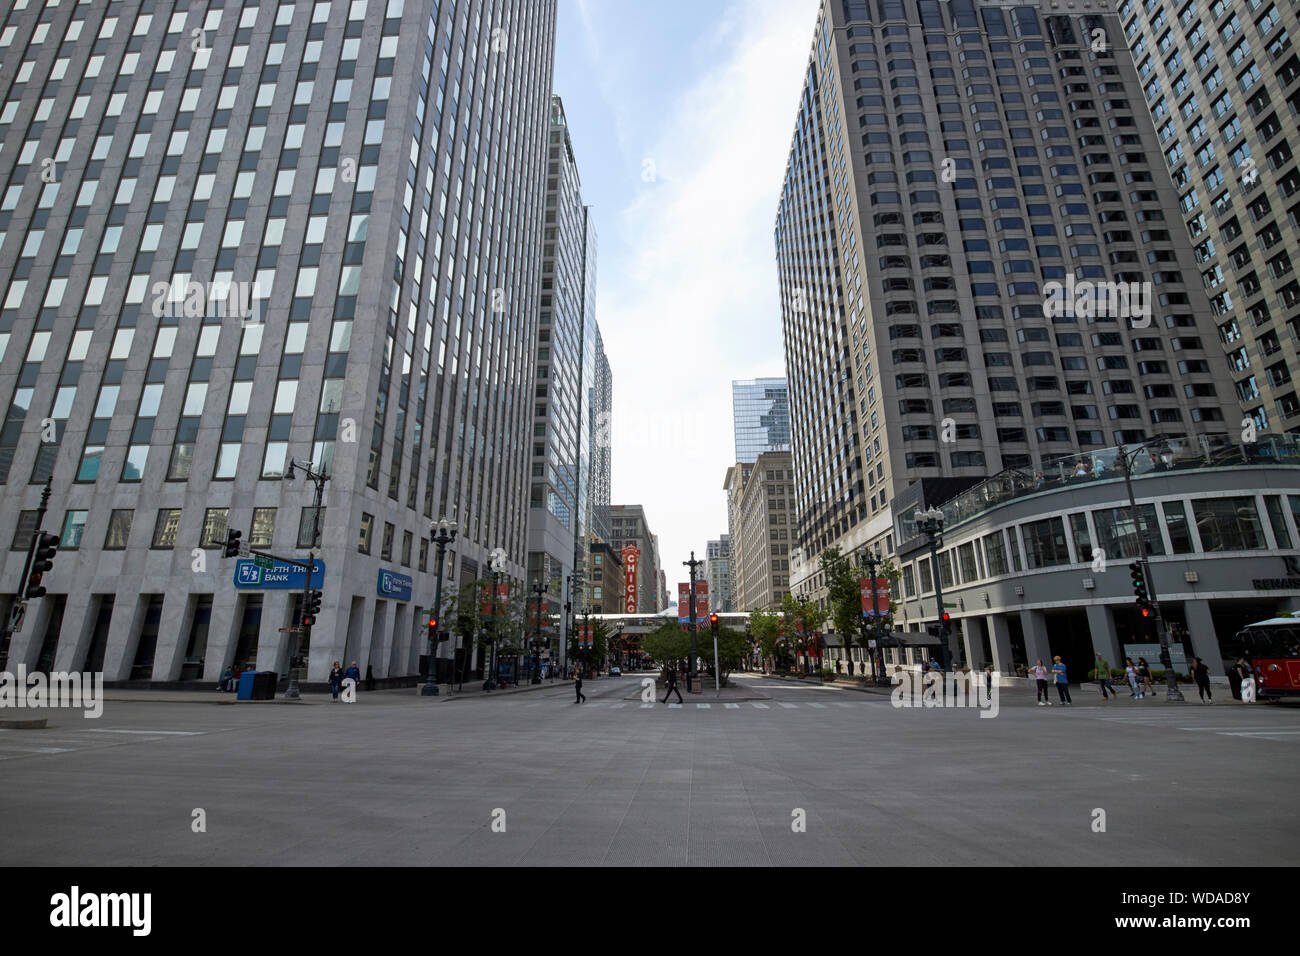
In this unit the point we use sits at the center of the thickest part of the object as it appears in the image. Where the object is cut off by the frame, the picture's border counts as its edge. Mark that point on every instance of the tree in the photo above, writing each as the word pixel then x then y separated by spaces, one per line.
pixel 733 648
pixel 667 643
pixel 467 609
pixel 764 629
pixel 845 595
pixel 803 622
pixel 599 650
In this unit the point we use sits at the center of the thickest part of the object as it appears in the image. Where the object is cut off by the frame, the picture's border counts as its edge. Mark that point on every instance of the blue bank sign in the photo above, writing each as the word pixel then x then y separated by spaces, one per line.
pixel 394 585
pixel 279 577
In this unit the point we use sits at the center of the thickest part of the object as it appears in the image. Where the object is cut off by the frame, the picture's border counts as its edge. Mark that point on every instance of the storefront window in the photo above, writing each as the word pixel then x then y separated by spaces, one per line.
pixel 1228 524
pixel 995 552
pixel 1180 532
pixel 1082 539
pixel 966 558
pixel 1045 543
pixel 1117 537
pixel 1273 504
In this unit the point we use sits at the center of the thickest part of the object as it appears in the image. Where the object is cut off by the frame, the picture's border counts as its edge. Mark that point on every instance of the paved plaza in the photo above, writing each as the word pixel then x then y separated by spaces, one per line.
pixel 777 774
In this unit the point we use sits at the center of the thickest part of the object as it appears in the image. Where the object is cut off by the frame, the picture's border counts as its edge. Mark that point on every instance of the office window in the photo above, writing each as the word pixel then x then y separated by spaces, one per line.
pixel 74 526
pixel 308 520
pixel 165 528
pixel 367 529
pixel 263 529
pixel 214 528
pixel 119 529
pixel 1045 545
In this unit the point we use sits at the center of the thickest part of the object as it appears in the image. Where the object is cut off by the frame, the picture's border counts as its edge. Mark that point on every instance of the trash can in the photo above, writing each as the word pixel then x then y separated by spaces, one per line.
pixel 246 685
pixel 264 685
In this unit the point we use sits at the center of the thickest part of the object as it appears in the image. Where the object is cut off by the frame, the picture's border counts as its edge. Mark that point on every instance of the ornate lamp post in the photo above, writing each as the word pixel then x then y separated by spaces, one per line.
pixel 538 589
pixel 443 533
pixel 1126 459
pixel 302 638
pixel 497 564
pixel 869 561
pixel 931 522
pixel 690 667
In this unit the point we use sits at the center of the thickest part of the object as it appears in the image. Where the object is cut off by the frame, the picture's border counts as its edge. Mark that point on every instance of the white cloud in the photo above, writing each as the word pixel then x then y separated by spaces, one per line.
pixel 687 296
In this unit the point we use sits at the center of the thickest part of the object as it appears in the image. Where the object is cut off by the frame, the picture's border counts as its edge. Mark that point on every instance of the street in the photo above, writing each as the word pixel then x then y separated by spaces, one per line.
pixel 794 775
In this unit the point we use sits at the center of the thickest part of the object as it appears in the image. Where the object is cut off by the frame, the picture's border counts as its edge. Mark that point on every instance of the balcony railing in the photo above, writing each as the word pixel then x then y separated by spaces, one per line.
pixel 1182 454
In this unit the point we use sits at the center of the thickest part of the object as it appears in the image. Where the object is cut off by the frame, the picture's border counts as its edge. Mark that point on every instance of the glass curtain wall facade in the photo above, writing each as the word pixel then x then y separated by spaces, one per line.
pixel 761 413
pixel 370 174
pixel 951 160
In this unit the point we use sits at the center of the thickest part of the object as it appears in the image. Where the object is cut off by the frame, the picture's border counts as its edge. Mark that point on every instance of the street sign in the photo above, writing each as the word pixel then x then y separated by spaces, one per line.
pixel 262 561
pixel 281 576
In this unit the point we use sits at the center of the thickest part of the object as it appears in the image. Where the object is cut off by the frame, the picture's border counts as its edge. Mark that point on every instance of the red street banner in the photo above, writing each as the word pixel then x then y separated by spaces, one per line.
pixel 587 635
pixel 503 593
pixel 683 602
pixel 631 554
pixel 882 596
pixel 701 600
pixel 544 621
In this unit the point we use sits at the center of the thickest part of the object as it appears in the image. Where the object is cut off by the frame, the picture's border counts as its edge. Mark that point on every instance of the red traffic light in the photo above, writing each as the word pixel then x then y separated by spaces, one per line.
pixel 433 623
pixel 947 616
pixel 1146 612
pixel 713 619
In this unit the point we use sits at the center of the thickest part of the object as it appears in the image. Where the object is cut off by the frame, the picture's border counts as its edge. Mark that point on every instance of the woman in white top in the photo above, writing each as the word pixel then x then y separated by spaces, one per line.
pixel 1131 672
pixel 1040 675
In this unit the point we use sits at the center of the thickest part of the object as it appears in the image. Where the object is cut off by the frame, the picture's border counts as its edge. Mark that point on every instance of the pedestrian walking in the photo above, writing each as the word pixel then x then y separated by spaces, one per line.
pixel 370 676
pixel 1062 681
pixel 1040 675
pixel 353 673
pixel 1103 678
pixel 1144 676
pixel 577 686
pixel 672 685
pixel 988 681
pixel 336 680
pixel 225 680
pixel 1131 674
pixel 1237 676
pixel 1201 674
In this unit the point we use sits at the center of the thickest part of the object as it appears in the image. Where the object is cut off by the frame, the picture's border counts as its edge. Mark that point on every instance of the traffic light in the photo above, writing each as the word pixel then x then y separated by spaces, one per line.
pixel 311 608
pixel 943 628
pixel 1140 593
pixel 232 543
pixel 713 621
pixel 433 628
pixel 42 561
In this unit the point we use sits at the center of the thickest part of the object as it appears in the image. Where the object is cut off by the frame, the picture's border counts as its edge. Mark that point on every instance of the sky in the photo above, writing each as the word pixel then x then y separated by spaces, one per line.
pixel 681 114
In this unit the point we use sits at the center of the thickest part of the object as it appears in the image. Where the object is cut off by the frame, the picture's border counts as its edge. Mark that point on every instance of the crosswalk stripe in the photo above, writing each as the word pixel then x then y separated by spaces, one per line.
pixel 168 733
pixel 841 703
pixel 612 706
pixel 818 706
pixel 788 706
pixel 643 706
pixel 702 706
pixel 761 706
pixel 670 706
pixel 731 706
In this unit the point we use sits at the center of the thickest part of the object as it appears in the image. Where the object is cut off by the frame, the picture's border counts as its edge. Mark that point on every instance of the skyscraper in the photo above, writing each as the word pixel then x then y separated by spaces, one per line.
pixel 373 173
pixel 1222 81
pixel 761 414
pixel 938 210
pixel 560 503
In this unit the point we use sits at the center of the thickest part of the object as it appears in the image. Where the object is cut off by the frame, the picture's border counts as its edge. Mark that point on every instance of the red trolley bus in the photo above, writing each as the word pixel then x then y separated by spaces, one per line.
pixel 1272 648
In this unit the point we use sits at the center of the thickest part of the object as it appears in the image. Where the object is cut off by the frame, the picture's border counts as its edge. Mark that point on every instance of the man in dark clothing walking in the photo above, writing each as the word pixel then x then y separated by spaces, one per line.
pixel 672 685
pixel 1201 674
pixel 577 686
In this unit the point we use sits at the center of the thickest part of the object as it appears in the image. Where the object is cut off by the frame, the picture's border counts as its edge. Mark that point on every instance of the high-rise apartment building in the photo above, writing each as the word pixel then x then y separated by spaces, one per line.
pixel 958 169
pixel 372 175
pixel 629 527
pixel 761 415
pixel 764 495
pixel 560 503
pixel 1222 81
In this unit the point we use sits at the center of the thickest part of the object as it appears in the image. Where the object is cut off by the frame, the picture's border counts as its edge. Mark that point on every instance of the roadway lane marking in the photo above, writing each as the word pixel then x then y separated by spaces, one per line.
pixel 644 706
pixel 761 706
pixel 841 703
pixel 167 733
pixel 670 706
pixel 731 706
pixel 617 706
pixel 818 706
pixel 1258 733
pixel 787 706
pixel 698 706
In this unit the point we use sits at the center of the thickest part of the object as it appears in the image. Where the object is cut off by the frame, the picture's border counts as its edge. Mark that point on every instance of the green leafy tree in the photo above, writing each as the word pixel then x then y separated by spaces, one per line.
pixel 801 615
pixel 667 643
pixel 465 611
pixel 597 654
pixel 733 648
pixel 844 593
pixel 764 629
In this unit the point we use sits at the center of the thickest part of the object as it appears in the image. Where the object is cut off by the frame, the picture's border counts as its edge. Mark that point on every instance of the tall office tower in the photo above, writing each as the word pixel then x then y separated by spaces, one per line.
pixel 629 528
pixel 760 551
pixel 1222 81
pixel 761 414
pixel 377 169
pixel 951 161
pixel 561 470
pixel 718 570
pixel 599 428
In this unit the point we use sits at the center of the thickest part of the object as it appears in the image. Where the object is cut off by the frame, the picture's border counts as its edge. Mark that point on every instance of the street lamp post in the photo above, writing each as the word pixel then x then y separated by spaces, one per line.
pixel 690 668
pixel 302 638
pixel 443 533
pixel 869 561
pixel 570 615
pixel 539 590
pixel 931 523
pixel 1126 463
